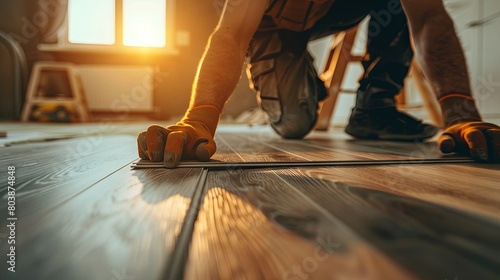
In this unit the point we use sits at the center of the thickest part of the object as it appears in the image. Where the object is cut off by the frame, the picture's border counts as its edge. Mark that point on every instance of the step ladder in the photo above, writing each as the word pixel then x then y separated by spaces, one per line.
pixel 57 83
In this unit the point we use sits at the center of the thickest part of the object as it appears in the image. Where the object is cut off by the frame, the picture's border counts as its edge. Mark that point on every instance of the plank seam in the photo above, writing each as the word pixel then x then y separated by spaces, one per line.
pixel 178 258
pixel 219 165
pixel 231 147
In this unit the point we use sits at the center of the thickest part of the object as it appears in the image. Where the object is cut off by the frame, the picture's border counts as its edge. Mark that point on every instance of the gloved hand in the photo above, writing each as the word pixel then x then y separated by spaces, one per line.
pixel 191 138
pixel 479 140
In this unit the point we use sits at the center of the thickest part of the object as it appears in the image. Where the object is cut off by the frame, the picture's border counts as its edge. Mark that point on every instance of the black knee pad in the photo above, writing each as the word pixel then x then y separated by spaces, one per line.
pixel 296 125
pixel 287 85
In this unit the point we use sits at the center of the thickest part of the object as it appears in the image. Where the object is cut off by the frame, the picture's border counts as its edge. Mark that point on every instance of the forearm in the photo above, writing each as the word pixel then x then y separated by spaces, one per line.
pixel 440 55
pixel 219 71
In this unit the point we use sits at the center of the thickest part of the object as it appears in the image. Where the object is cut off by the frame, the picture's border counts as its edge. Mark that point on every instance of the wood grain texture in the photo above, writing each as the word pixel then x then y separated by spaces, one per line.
pixel 85 215
pixel 123 227
pixel 255 150
pixel 432 241
pixel 252 226
pixel 49 173
pixel 376 149
pixel 262 144
pixel 264 224
pixel 262 147
pixel 473 188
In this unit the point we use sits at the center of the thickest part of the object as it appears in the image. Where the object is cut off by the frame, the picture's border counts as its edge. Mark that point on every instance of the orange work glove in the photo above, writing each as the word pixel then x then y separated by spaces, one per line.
pixel 479 140
pixel 191 138
pixel 465 132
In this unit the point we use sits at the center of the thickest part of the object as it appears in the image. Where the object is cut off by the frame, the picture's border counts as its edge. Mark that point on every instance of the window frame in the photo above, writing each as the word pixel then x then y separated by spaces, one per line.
pixel 63 43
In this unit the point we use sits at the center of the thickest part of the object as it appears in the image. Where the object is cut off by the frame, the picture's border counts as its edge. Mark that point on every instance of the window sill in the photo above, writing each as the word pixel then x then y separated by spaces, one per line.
pixel 101 49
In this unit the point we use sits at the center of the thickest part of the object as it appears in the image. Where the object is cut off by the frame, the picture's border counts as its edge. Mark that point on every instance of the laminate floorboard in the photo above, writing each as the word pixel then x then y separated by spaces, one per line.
pixel 262 144
pixel 263 224
pixel 123 227
pixel 473 188
pixel 83 214
pixel 51 172
pixel 254 149
pixel 251 150
pixel 431 240
pixel 376 149
pixel 27 133
pixel 252 226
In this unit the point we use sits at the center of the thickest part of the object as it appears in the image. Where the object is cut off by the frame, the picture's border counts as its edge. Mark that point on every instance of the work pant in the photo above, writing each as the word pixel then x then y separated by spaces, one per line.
pixel 288 88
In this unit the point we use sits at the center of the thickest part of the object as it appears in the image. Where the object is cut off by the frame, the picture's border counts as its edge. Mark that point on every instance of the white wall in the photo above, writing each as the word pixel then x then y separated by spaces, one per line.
pixel 488 87
pixel 481 45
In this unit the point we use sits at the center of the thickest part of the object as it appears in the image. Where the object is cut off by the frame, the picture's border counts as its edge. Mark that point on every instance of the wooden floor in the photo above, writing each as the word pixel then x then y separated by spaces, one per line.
pixel 83 213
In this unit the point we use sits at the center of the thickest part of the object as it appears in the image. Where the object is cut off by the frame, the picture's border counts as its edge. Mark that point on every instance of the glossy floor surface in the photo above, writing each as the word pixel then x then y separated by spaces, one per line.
pixel 83 212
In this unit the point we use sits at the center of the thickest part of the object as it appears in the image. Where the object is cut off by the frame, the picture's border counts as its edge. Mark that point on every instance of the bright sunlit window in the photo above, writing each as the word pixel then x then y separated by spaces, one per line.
pixel 142 22
pixel 91 22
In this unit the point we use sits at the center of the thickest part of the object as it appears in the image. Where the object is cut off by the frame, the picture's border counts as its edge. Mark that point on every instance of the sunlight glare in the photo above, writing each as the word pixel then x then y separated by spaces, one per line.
pixel 144 23
pixel 91 22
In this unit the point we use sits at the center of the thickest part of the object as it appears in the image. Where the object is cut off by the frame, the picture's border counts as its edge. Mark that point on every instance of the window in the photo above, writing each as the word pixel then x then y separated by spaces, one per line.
pixel 91 22
pixel 144 23
pixel 131 23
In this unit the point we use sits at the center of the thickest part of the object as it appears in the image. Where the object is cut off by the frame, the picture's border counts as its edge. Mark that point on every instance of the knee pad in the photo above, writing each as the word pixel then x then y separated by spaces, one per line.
pixel 288 88
pixel 295 125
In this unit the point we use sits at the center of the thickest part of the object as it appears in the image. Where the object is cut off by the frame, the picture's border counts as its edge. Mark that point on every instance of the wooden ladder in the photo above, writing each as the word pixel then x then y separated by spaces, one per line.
pixel 337 61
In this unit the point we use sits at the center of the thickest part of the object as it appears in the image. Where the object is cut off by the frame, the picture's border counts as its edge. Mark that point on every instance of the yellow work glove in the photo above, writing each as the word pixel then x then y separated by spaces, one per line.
pixel 479 140
pixel 191 138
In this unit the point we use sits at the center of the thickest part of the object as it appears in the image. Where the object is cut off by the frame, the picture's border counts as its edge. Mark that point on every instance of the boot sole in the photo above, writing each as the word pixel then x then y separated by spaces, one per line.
pixel 367 133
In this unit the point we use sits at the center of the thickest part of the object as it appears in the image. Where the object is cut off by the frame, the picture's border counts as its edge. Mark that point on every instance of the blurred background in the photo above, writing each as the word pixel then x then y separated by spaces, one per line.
pixel 136 59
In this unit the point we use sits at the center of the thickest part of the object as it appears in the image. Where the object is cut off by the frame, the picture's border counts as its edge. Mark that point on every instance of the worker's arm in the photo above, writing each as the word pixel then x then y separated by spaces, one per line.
pixel 441 57
pixel 218 73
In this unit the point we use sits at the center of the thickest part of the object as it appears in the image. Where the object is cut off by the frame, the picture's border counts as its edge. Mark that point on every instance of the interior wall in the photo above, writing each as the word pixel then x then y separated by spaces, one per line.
pixel 488 84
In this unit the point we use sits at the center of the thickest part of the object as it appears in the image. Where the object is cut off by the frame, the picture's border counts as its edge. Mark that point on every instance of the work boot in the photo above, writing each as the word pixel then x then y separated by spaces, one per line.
pixel 387 124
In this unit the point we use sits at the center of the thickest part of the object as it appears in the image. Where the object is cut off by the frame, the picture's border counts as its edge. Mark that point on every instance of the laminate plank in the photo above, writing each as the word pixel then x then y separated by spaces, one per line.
pixel 217 165
pixel 255 143
pixel 251 150
pixel 378 149
pixel 297 148
pixel 49 173
pixel 433 241
pixel 252 226
pixel 258 142
pixel 258 147
pixel 263 224
pixel 472 188
pixel 225 151
pixel 123 227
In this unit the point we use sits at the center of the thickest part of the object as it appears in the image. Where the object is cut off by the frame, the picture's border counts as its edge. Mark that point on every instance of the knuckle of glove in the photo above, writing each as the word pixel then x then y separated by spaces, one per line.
pixel 462 133
pixel 457 128
pixel 196 133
